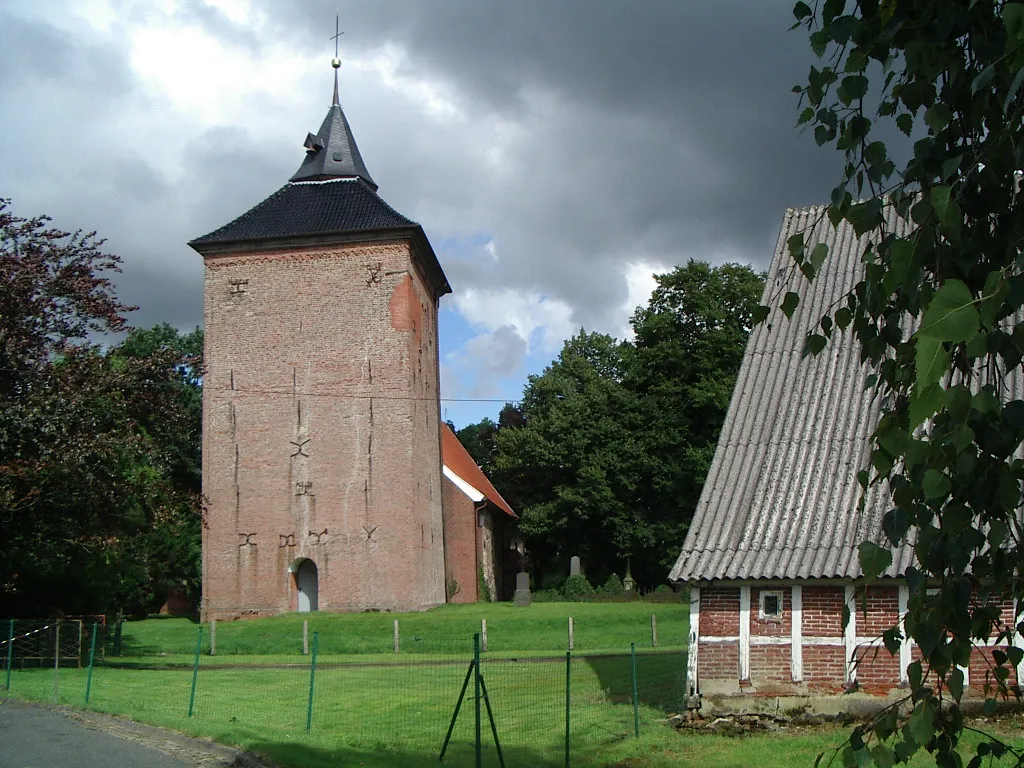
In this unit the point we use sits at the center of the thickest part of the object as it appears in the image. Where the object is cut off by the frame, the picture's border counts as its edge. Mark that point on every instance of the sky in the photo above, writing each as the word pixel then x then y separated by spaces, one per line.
pixel 558 153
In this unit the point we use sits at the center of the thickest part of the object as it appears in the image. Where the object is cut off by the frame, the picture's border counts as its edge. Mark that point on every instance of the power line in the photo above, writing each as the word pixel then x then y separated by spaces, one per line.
pixel 335 393
pixel 358 396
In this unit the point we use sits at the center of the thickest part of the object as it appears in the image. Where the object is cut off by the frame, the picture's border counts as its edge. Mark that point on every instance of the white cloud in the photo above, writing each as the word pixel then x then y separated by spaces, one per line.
pixel 640 283
pixel 540 321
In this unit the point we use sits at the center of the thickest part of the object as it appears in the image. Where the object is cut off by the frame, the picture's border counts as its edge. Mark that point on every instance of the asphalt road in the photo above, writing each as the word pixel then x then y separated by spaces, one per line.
pixel 39 737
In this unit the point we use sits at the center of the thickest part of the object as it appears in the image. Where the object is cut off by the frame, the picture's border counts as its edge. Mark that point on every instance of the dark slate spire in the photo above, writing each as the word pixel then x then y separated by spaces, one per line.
pixel 332 153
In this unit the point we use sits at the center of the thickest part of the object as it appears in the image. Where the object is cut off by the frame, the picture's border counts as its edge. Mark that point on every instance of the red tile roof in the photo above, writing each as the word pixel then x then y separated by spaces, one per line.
pixel 457 459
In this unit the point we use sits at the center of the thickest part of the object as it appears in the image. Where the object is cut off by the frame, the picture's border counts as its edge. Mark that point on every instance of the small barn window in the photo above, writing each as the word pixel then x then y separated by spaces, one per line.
pixel 771 604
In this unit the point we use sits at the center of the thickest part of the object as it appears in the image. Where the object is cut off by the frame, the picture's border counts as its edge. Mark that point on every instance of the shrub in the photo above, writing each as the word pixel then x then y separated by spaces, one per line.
pixel 664 594
pixel 546 596
pixel 613 586
pixel 577 589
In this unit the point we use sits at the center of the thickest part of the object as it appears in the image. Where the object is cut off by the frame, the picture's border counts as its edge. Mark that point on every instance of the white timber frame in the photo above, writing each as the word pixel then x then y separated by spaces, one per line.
pixel 1018 641
pixel 796 634
pixel 905 657
pixel 691 654
pixel 744 639
pixel 850 633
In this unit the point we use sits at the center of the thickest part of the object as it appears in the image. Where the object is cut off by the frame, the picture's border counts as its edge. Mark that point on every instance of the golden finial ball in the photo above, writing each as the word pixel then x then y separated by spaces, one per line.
pixel 335 62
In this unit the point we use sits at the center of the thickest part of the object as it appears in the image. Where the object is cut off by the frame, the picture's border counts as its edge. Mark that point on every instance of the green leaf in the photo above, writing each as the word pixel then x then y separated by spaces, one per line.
pixel 789 303
pixel 818 255
pixel 882 461
pixel 873 559
pixel 937 116
pixel 925 402
pixel 936 484
pixel 901 256
pixel 895 525
pixel 856 86
pixel 905 122
pixel 956 517
pixel 955 683
pixel 856 62
pixel 819 43
pixel 915 675
pixel 893 640
pixel 883 756
pixel 1013 19
pixel 813 344
pixel 951 315
pixel 795 244
pixel 801 10
pixel 931 359
pixel 760 314
pixel 921 722
pixel 844 316
pixel 842 28
pixel 941 197
pixel 905 750
pixel 997 532
pixel 992 295
pixel 984 79
pixel 1014 88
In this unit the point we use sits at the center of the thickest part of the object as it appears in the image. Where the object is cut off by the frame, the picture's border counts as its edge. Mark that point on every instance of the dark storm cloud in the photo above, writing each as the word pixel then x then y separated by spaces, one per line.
pixel 674 136
pixel 645 132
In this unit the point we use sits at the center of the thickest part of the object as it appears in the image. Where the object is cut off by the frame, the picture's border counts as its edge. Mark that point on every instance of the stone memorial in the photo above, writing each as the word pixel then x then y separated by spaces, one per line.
pixel 522 596
pixel 574 566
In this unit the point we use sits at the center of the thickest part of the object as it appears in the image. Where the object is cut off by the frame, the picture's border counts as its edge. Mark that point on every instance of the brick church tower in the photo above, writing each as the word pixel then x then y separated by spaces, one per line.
pixel 321 413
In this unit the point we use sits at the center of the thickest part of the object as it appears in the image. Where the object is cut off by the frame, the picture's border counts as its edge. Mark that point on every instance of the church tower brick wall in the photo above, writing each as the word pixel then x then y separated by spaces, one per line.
pixel 321 428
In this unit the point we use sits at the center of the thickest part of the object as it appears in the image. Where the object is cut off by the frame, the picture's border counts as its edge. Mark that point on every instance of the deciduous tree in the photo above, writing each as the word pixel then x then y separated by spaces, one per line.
pixel 85 477
pixel 936 316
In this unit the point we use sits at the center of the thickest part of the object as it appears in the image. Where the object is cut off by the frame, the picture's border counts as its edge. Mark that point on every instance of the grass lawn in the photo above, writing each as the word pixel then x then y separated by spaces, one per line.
pixel 539 630
pixel 394 709
pixel 398 712
pixel 390 715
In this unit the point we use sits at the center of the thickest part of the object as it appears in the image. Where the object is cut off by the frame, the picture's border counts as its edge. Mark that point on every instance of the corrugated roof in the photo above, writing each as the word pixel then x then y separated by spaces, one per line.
pixel 457 459
pixel 311 208
pixel 781 497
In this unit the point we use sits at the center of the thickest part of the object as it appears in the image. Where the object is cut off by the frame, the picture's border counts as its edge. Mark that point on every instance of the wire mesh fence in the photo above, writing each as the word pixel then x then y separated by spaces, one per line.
pixel 536 710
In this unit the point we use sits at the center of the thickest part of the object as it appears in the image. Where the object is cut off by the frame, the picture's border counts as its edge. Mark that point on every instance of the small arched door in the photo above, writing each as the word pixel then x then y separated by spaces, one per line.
pixel 306 581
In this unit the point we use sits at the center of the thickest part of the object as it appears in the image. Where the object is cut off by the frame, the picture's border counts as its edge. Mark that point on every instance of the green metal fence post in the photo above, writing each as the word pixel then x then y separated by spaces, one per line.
pixel 312 683
pixel 92 659
pixel 56 664
pixel 195 672
pixel 568 699
pixel 10 655
pixel 636 698
pixel 476 681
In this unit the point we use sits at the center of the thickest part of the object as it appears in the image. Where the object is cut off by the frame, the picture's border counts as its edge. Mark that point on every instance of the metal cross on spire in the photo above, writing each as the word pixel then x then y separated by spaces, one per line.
pixel 336 62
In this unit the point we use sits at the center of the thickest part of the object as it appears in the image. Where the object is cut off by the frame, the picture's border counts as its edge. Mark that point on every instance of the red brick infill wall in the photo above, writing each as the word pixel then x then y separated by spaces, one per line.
pixel 821 661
